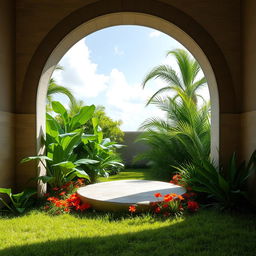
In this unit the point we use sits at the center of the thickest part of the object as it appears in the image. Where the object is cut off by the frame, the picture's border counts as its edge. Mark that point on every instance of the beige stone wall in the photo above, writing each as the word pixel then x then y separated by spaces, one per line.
pixel 6 149
pixel 25 130
pixel 7 76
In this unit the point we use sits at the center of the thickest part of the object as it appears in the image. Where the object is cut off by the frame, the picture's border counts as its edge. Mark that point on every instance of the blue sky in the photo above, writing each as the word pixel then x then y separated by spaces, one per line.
pixel 107 68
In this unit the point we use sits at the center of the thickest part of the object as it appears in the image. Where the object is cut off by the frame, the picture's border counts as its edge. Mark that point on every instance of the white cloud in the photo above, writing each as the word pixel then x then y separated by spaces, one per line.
pixel 123 100
pixel 129 101
pixel 80 73
pixel 118 51
pixel 155 33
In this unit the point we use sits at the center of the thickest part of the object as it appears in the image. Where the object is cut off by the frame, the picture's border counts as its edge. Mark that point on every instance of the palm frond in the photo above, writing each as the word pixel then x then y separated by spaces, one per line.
pixel 164 72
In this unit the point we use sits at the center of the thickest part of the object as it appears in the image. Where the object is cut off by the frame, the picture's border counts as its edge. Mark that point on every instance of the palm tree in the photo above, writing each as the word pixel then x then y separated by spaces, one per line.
pixel 184 135
pixel 185 80
pixel 54 88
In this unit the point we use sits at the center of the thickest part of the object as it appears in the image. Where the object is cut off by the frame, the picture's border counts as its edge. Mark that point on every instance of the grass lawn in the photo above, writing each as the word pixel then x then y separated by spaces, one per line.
pixel 206 233
pixel 129 174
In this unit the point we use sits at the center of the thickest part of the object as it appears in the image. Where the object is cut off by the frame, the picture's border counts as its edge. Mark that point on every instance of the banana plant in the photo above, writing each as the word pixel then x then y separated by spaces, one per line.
pixel 100 149
pixel 17 203
pixel 61 163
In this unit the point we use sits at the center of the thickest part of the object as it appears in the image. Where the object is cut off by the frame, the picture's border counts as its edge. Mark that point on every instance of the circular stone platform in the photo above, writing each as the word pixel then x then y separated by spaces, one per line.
pixel 119 195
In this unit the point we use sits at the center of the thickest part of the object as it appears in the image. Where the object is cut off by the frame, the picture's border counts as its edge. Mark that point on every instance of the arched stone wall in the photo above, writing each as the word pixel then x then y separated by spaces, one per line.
pixel 95 16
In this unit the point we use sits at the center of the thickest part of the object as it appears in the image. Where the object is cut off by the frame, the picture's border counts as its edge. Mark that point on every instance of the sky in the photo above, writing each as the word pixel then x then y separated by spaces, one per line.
pixel 107 68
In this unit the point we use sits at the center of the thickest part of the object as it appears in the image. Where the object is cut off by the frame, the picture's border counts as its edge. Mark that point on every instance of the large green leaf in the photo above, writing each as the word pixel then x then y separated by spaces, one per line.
pixel 46 179
pixel 88 137
pixel 82 174
pixel 86 161
pixel 224 184
pixel 22 197
pixel 60 109
pixel 65 164
pixel 52 127
pixel 35 158
pixel 58 154
pixel 7 191
pixel 69 142
pixel 82 117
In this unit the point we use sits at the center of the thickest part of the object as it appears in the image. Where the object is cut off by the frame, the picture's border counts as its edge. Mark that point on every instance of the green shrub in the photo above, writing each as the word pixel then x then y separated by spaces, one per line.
pixel 184 133
pixel 64 136
pixel 16 203
pixel 226 187
pixel 182 136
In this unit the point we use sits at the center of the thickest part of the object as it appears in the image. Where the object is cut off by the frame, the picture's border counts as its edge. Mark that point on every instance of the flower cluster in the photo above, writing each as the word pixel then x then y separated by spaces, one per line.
pixel 64 199
pixel 172 204
pixel 71 202
pixel 177 180
pixel 169 204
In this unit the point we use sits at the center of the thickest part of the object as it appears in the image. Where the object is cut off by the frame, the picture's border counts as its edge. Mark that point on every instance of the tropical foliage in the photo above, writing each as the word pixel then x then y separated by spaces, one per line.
pixel 110 128
pixel 67 151
pixel 184 133
pixel 226 186
pixel 16 203
pixel 101 150
pixel 54 89
pixel 185 80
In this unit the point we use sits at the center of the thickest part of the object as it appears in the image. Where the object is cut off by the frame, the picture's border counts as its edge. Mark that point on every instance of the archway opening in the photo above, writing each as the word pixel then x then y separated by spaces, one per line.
pixel 131 19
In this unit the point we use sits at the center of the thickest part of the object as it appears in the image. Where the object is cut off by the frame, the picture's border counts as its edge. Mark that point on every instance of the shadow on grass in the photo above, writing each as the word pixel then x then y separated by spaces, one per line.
pixel 194 236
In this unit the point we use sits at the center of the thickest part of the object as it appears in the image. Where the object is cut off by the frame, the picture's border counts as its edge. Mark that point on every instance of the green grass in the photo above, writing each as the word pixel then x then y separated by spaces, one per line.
pixel 206 233
pixel 129 174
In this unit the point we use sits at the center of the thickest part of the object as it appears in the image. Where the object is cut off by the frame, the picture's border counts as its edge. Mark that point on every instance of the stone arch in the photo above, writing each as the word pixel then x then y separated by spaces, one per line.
pixel 159 16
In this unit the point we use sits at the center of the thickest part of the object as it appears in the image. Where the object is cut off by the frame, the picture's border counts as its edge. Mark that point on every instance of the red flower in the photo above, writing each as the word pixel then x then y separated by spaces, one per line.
pixel 180 197
pixel 52 199
pixel 84 206
pixel 61 203
pixel 165 205
pixel 158 195
pixel 168 198
pixel 176 179
pixel 67 209
pixel 74 200
pixel 193 206
pixel 132 208
pixel 157 210
pixel 46 194
pixel 55 189
pixel 67 184
pixel 80 182
pixel 62 193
